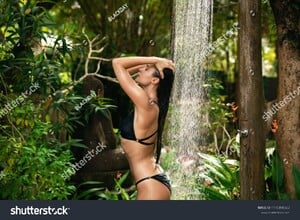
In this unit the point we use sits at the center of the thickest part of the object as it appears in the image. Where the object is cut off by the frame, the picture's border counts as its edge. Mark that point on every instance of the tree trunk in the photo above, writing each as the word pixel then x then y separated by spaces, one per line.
pixel 250 101
pixel 287 19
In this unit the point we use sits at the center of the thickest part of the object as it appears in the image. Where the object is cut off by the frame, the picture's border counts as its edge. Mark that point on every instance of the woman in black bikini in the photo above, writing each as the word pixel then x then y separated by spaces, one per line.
pixel 141 131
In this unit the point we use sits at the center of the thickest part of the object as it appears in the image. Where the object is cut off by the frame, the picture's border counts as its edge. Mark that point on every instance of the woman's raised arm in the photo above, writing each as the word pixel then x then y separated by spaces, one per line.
pixel 125 66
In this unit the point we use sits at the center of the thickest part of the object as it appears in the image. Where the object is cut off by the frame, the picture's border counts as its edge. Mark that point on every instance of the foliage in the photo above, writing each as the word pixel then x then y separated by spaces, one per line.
pixel 225 55
pixel 219 117
pixel 145 24
pixel 36 134
pixel 100 105
pixel 167 158
pixel 220 179
pixel 219 113
pixel 296 176
pixel 225 15
pixel 22 28
pixel 31 156
pixel 32 159
pixel 102 193
pixel 275 178
pixel 89 193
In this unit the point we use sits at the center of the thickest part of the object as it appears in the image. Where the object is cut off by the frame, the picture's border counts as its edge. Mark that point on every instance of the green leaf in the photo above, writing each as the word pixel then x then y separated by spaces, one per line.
pixel 75 143
pixel 215 194
pixel 223 177
pixel 108 195
pixel 122 179
pixel 296 175
pixel 217 166
pixel 89 193
pixel 277 170
pixel 90 183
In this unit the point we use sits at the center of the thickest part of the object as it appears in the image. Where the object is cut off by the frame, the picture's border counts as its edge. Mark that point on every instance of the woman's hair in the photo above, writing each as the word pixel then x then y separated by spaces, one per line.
pixel 163 94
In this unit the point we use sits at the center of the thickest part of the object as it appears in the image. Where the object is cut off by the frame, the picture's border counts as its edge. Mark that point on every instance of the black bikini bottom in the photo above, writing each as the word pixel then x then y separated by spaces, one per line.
pixel 161 177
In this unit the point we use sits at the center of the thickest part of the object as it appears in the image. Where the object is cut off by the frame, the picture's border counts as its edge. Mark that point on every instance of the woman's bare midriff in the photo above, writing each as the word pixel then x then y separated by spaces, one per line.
pixel 142 164
pixel 141 160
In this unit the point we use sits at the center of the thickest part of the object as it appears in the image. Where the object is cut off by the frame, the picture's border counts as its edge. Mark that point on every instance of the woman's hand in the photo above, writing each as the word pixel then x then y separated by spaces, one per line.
pixel 164 63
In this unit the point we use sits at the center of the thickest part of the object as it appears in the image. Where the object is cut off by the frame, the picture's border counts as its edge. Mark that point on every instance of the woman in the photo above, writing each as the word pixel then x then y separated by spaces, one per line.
pixel 141 131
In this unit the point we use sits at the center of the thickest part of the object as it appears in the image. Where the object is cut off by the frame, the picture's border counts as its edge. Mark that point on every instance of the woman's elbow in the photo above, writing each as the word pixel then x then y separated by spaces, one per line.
pixel 117 65
pixel 114 62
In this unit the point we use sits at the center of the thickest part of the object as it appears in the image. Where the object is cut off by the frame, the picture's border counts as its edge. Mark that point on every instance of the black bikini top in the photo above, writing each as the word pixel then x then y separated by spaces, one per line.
pixel 127 130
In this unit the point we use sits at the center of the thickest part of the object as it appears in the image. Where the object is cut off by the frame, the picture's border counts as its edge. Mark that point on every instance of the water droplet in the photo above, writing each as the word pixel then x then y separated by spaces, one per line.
pixel 152 43
pixel 252 13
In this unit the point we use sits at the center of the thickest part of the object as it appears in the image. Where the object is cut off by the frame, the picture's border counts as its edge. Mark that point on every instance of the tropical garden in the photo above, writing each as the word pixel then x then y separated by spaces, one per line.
pixel 233 126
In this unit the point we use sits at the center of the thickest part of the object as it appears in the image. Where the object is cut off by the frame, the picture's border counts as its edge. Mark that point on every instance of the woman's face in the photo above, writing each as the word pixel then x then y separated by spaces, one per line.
pixel 146 75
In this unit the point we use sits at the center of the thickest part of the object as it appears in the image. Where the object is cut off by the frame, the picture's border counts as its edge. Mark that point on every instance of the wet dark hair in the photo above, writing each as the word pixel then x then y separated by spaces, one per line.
pixel 163 94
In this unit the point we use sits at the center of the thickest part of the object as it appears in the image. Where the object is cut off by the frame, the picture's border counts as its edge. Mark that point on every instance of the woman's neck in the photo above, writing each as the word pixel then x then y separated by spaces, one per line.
pixel 151 92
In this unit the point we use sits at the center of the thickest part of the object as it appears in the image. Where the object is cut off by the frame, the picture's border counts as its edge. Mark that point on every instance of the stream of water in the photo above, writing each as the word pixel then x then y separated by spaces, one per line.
pixel 186 132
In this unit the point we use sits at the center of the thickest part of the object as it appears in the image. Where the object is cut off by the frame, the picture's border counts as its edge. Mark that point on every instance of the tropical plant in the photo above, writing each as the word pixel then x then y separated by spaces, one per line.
pixel 32 159
pixel 98 191
pixel 32 156
pixel 219 179
pixel 219 116
pixel 167 159
pixel 275 188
